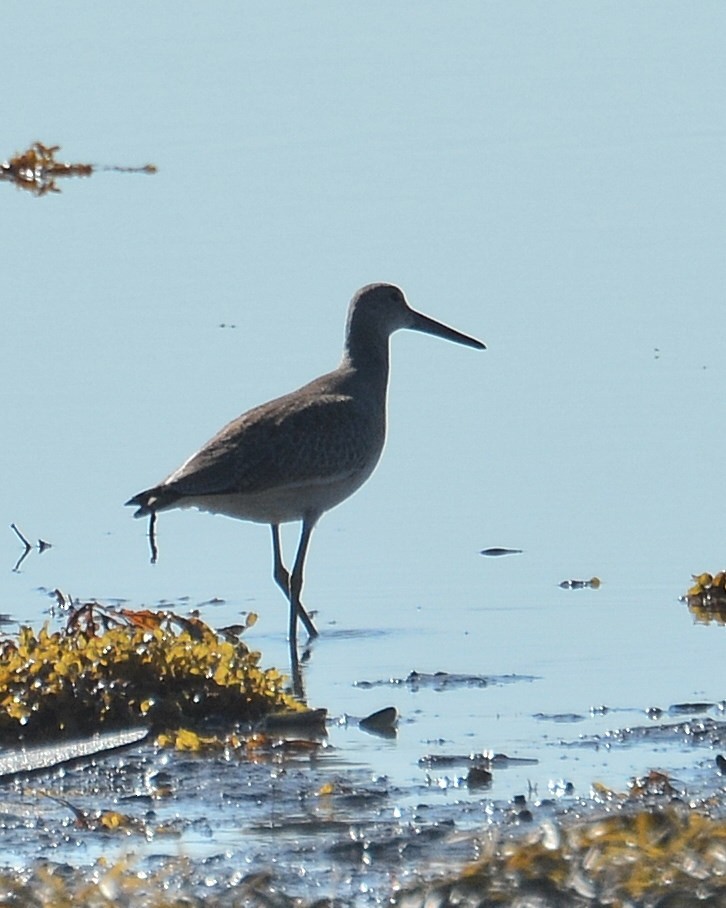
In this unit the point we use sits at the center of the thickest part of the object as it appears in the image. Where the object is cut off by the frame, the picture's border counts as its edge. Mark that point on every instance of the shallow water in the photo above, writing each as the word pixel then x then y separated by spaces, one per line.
pixel 556 191
pixel 316 821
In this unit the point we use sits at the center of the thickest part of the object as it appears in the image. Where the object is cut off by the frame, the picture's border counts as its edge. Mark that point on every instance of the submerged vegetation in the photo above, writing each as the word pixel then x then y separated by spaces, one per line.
pixel 115 668
pixel 659 854
pixel 672 854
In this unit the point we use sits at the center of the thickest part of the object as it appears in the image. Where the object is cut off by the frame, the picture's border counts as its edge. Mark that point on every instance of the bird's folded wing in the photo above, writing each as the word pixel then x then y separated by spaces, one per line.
pixel 288 441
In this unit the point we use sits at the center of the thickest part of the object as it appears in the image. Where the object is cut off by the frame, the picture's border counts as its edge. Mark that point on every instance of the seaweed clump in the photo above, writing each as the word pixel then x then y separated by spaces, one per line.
pixel 173 883
pixel 706 599
pixel 672 855
pixel 112 668
pixel 37 169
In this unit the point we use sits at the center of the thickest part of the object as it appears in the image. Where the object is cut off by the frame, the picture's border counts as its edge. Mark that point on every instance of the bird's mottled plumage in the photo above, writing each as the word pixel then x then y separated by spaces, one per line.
pixel 273 463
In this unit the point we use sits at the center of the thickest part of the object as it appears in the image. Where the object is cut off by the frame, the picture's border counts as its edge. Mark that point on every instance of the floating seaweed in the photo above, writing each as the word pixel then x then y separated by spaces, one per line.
pixel 257 747
pixel 113 821
pixel 593 584
pixel 706 598
pixel 37 170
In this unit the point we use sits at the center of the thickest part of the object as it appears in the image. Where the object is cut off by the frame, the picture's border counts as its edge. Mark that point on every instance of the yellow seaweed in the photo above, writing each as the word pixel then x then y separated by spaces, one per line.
pixel 111 668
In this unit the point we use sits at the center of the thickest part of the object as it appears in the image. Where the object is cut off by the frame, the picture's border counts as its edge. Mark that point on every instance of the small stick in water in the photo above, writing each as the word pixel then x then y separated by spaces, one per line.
pixel 152 537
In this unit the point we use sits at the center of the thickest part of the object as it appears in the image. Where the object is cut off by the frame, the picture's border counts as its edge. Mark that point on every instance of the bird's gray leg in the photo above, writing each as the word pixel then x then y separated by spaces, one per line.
pixel 282 578
pixel 296 581
pixel 279 571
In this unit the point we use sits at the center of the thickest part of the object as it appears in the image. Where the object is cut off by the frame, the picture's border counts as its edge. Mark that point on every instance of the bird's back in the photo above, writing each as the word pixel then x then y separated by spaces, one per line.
pixel 314 446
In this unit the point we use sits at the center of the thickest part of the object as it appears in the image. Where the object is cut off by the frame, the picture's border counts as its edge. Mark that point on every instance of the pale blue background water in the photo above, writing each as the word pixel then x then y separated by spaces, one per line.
pixel 548 177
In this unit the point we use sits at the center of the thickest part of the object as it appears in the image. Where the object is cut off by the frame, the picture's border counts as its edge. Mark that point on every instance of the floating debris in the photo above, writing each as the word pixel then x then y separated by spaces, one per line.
pixel 654 784
pixel 559 717
pixel 42 546
pixel 690 732
pixel 445 680
pixel 37 170
pixel 113 821
pixel 706 598
pixel 488 760
pixel 680 709
pixel 496 552
pixel 593 583
pixel 257 747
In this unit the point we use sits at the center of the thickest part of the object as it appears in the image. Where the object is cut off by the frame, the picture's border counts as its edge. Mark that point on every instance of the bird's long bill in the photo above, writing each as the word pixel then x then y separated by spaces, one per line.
pixel 428 325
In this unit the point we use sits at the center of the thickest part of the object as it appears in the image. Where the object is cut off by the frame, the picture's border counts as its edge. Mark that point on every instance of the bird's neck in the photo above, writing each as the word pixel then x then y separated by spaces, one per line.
pixel 369 360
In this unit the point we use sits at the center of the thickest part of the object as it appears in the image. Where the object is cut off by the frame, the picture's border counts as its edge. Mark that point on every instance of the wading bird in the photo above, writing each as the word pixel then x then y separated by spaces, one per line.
pixel 300 455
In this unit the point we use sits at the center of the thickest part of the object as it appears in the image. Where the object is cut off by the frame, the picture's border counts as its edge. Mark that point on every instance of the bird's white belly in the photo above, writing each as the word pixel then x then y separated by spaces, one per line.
pixel 279 505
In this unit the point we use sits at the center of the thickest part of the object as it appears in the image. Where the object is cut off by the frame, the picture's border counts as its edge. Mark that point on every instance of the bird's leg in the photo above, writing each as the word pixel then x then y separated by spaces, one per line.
pixel 298 685
pixel 279 571
pixel 296 580
pixel 282 579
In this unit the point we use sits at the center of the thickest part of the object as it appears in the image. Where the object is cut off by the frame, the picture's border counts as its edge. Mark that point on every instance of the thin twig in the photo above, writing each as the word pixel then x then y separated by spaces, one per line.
pixel 21 537
pixel 152 537
pixel 26 550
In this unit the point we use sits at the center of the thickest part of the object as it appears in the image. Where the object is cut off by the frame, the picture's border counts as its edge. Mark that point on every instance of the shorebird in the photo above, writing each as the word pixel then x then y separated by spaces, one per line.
pixel 296 457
